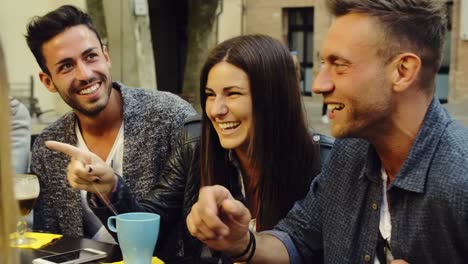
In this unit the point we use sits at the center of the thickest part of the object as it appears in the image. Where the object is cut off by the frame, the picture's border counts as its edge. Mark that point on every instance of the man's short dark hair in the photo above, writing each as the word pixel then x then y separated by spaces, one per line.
pixel 417 26
pixel 43 28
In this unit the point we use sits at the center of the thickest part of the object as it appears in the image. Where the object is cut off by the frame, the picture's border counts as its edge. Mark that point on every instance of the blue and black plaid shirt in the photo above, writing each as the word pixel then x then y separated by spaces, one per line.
pixel 338 221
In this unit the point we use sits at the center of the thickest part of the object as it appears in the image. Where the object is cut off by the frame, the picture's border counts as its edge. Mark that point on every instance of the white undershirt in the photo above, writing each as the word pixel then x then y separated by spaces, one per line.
pixel 385 225
pixel 115 160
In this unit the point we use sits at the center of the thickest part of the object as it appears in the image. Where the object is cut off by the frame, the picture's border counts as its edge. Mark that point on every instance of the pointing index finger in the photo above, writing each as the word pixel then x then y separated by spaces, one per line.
pixel 69 150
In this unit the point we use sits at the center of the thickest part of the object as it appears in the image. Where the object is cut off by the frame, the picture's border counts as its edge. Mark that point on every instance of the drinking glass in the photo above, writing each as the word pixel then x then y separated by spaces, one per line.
pixel 26 192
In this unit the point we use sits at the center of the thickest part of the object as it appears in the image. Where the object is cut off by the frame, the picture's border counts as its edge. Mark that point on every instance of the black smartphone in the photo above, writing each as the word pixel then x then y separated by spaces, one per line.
pixel 72 257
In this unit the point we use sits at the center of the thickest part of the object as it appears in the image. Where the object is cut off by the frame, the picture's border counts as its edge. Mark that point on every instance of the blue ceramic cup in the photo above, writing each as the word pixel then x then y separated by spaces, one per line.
pixel 137 234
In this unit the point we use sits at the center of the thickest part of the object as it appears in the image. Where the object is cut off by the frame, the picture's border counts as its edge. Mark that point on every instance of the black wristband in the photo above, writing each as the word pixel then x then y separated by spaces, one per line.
pixel 249 245
pixel 254 246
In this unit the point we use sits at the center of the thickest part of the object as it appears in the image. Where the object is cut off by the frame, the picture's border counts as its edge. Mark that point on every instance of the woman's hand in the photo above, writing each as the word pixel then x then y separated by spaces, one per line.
pixel 219 220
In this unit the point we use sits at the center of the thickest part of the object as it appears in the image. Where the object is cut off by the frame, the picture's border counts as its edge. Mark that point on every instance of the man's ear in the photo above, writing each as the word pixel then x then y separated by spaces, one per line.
pixel 106 55
pixel 47 81
pixel 405 71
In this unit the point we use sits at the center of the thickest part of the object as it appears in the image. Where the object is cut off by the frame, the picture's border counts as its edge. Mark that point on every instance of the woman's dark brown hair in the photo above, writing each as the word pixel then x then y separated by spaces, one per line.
pixel 280 147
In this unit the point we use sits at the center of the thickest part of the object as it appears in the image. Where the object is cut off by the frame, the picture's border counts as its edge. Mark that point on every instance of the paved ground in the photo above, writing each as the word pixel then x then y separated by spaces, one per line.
pixel 313 107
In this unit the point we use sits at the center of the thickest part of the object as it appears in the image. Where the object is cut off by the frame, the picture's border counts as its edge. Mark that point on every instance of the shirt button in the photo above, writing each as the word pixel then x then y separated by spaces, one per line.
pixel 367 258
pixel 375 206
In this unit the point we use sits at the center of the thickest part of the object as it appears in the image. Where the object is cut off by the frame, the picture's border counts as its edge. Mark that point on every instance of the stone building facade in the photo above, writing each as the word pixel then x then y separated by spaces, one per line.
pixel 272 17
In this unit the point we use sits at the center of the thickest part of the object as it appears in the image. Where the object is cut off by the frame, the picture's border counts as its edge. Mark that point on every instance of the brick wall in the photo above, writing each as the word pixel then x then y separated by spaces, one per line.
pixel 266 16
pixel 458 91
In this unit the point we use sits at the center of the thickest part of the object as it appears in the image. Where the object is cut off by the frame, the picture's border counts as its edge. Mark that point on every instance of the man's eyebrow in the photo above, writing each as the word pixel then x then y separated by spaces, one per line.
pixel 65 60
pixel 335 57
pixel 89 50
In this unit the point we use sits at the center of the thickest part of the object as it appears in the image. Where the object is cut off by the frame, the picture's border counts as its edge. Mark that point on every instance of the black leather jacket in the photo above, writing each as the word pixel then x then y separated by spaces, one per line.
pixel 175 193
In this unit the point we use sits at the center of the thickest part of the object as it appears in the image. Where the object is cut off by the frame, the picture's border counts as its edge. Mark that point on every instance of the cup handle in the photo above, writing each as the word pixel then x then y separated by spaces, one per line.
pixel 111 224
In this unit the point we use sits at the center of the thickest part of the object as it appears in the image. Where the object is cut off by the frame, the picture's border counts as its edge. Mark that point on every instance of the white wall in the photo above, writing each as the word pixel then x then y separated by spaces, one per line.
pixel 230 20
pixel 14 15
pixel 464 20
pixel 130 45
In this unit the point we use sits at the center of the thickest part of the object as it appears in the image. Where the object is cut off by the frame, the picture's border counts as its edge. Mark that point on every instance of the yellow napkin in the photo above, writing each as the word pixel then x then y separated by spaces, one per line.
pixel 155 260
pixel 42 239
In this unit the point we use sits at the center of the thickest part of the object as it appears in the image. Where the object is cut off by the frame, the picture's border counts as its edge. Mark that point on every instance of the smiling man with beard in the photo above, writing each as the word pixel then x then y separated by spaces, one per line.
pixel 133 130
pixel 396 184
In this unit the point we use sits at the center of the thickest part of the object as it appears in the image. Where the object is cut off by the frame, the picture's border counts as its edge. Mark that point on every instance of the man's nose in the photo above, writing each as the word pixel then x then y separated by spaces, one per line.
pixel 219 106
pixel 83 72
pixel 323 82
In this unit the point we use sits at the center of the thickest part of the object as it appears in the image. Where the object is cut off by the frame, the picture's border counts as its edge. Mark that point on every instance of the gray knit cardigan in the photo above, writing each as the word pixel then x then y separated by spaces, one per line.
pixel 151 123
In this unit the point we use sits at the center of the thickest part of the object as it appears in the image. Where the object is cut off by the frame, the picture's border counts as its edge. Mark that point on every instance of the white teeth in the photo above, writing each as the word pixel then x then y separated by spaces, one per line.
pixel 229 125
pixel 89 90
pixel 332 107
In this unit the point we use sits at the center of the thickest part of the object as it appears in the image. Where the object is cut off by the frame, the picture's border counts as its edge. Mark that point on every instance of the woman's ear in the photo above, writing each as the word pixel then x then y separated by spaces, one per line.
pixel 405 71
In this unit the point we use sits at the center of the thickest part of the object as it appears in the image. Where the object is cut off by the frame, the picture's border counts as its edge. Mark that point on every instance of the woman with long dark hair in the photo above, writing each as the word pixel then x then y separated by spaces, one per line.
pixel 276 154
pixel 254 141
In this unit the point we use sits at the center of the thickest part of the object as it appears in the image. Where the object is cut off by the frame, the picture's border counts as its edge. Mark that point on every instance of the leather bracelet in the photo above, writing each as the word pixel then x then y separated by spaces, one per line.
pixel 254 246
pixel 249 245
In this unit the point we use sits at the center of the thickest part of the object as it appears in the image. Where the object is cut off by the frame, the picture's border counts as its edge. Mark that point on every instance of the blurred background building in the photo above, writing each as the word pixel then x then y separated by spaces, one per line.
pixel 162 44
